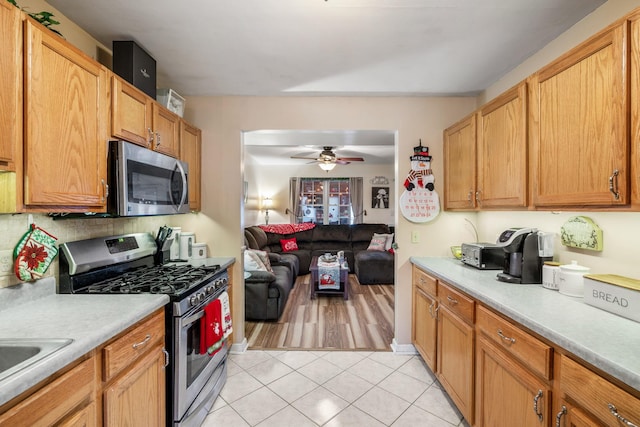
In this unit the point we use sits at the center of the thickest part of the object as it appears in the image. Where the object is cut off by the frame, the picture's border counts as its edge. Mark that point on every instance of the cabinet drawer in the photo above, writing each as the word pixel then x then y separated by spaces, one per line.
pixel 595 394
pixel 532 352
pixel 55 400
pixel 132 345
pixel 424 281
pixel 456 302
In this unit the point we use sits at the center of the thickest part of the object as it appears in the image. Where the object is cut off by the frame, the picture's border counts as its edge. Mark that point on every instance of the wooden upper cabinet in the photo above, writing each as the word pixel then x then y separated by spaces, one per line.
pixel 166 131
pixel 579 125
pixel 10 87
pixel 502 150
pixel 137 118
pixel 65 145
pixel 131 113
pixel 460 164
pixel 191 152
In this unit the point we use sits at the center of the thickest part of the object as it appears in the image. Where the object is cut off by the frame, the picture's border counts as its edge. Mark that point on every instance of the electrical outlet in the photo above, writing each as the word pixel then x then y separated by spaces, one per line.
pixel 6 263
pixel 415 237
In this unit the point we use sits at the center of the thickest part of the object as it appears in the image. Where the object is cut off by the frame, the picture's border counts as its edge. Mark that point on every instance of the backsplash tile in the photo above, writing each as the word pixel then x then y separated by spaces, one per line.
pixel 13 227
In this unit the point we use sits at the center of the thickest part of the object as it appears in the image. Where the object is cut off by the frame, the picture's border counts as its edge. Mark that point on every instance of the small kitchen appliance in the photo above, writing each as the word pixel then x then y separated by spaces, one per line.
pixel 144 182
pixel 124 264
pixel 485 256
pixel 525 251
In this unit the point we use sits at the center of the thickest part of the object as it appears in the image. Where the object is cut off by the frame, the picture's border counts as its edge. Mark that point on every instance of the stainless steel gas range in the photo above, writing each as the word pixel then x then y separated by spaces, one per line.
pixel 125 264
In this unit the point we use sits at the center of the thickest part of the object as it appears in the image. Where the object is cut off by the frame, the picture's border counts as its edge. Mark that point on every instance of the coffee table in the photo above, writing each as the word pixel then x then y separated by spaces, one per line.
pixel 315 285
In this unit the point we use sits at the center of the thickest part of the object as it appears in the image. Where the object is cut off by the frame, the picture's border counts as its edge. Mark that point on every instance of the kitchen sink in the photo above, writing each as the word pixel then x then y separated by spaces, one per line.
pixel 17 354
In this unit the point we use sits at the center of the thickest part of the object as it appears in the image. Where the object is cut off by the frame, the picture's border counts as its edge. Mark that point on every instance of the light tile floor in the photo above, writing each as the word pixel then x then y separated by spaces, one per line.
pixel 333 389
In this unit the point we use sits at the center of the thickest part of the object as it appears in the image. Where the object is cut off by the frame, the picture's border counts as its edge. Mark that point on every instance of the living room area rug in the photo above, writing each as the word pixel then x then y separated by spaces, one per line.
pixel 363 322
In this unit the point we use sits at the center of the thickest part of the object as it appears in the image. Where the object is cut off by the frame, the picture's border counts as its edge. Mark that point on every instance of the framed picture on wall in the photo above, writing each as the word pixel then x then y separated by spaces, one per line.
pixel 379 197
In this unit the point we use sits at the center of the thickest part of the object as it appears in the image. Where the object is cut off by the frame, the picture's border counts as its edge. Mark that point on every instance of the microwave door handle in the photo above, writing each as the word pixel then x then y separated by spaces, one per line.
pixel 184 185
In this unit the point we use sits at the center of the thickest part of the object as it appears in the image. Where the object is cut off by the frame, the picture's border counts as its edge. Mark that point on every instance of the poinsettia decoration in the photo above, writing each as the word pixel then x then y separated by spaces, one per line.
pixel 33 254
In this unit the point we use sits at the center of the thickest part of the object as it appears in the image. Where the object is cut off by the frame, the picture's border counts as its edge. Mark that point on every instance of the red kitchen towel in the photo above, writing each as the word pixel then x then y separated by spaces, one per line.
pixel 211 333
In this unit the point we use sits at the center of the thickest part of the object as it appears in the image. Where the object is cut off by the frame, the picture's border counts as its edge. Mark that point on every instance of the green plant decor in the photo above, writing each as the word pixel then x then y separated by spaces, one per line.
pixel 45 18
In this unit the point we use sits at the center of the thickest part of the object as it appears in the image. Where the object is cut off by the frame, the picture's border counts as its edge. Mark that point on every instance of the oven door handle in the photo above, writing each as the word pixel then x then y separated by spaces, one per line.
pixel 189 320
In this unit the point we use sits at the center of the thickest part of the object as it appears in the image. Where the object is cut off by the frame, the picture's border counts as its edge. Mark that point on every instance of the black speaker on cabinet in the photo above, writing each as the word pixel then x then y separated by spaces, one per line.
pixel 135 65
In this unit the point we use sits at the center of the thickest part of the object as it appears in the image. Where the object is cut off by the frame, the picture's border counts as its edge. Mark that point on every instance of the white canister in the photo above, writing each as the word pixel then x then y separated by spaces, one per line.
pixel 550 275
pixel 187 238
pixel 199 251
pixel 174 249
pixel 571 279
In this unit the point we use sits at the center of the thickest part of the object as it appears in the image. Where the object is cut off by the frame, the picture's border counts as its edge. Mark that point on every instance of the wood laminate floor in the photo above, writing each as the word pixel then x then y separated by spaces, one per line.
pixel 363 322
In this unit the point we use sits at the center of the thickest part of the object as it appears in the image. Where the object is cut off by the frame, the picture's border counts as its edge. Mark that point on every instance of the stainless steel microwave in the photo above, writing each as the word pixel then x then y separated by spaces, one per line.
pixel 145 182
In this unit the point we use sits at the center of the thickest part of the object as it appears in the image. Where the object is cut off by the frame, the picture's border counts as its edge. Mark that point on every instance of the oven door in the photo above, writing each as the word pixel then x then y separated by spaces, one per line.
pixel 197 377
pixel 147 182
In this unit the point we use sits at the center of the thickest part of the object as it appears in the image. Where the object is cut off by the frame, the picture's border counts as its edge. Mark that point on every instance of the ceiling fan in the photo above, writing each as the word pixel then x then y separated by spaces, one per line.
pixel 329 159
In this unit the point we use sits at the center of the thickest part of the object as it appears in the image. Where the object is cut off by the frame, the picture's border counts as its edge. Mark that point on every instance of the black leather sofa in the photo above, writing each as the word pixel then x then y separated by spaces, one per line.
pixel 266 294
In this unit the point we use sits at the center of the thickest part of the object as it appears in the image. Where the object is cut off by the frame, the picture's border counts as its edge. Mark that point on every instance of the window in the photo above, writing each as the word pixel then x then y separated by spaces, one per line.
pixel 325 201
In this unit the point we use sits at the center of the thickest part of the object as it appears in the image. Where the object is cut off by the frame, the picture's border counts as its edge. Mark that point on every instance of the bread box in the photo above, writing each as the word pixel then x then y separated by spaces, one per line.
pixel 616 294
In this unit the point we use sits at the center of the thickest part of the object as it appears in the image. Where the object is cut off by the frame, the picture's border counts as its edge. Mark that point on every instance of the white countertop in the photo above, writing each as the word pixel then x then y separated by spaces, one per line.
pixel 608 342
pixel 34 310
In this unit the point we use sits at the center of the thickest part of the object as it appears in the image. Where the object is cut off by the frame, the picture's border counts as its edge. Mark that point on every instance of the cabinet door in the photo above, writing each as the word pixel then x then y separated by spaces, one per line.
pixel 131 113
pixel 502 150
pixel 10 87
pixel 425 326
pixel 460 165
pixel 579 125
pixel 455 360
pixel 191 152
pixel 83 417
pixel 508 394
pixel 137 398
pixel 166 127
pixel 572 416
pixel 65 143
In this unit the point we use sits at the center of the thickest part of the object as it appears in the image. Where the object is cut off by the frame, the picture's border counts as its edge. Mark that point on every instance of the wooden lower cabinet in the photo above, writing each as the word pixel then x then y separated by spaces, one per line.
pixel 587 399
pixel 60 402
pixel 507 393
pixel 425 321
pixel 455 360
pixel 133 395
pixel 137 397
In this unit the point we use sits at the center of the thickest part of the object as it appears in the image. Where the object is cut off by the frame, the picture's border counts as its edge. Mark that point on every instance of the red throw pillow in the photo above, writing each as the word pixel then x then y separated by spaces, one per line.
pixel 289 245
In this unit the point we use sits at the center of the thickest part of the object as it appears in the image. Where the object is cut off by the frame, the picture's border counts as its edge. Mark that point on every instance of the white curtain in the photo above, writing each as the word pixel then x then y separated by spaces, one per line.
pixel 355 192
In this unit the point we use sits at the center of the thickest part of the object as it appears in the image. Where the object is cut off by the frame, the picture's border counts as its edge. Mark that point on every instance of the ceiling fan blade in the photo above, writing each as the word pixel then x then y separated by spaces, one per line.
pixel 341 162
pixel 351 159
pixel 304 158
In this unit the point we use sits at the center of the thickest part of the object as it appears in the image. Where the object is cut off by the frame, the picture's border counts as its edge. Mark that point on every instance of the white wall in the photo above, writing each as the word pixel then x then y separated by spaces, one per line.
pixel 273 181
pixel 223 119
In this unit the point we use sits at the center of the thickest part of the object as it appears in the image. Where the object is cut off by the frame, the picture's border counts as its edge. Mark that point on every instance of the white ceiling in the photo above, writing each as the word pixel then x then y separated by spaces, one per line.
pixel 361 47
pixel 332 47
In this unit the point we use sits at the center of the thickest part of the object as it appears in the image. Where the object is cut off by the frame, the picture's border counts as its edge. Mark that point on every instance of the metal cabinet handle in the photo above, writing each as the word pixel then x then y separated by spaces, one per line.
pixel 613 184
pixel 166 357
pixel 452 301
pixel 478 199
pixel 535 404
pixel 435 312
pixel 141 343
pixel 560 414
pixel 623 420
pixel 470 197
pixel 157 138
pixel 506 338
pixel 150 139
pixel 431 309
pixel 105 190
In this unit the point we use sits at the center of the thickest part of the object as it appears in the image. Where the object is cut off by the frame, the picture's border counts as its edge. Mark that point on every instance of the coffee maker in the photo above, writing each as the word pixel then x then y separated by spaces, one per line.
pixel 525 251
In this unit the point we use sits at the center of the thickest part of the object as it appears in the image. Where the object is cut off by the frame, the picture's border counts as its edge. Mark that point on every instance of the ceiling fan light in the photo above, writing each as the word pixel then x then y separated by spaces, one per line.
pixel 327 166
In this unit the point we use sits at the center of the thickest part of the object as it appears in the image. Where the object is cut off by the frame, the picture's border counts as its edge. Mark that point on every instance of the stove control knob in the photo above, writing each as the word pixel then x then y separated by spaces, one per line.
pixel 224 280
pixel 193 300
pixel 200 296
pixel 210 289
